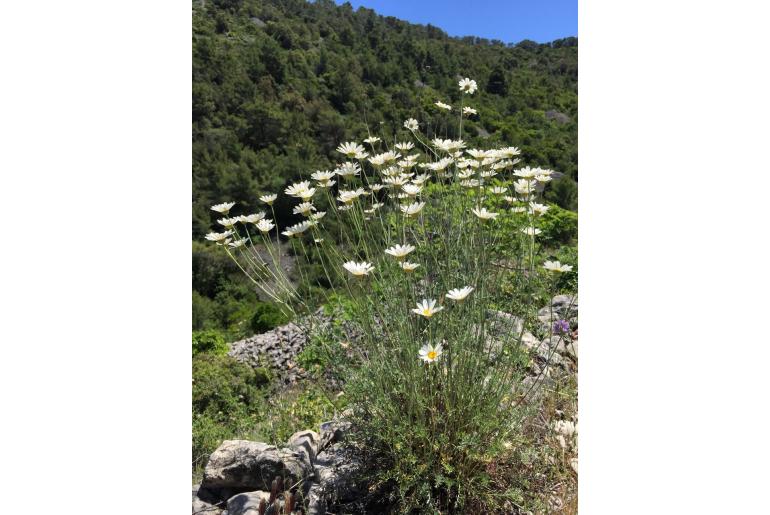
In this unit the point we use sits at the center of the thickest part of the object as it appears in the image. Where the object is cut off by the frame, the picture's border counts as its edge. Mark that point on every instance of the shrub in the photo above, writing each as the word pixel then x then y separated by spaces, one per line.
pixel 223 386
pixel 559 226
pixel 208 341
pixel 267 316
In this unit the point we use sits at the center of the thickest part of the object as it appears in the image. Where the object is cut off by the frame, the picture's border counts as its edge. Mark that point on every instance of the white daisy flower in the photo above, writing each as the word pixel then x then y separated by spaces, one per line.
pixel 442 105
pixel 404 147
pixel 399 251
pixel 427 308
pixel 294 190
pixel 348 170
pixel 524 187
pixel 396 182
pixel 304 209
pixel 317 216
pixel 428 353
pixel 519 209
pixel 372 140
pixel 253 218
pixel 412 209
pixel 411 124
pixel 508 152
pixel 218 236
pixel 448 145
pixel 469 111
pixel 237 243
pixel 229 222
pixel 543 178
pixel 268 199
pixel 376 187
pixel 487 174
pixel 324 178
pixel 407 266
pixel 555 266
pixel 484 214
pixel 386 157
pixel 498 190
pixel 350 149
pixel 479 155
pixel 223 208
pixel 358 269
pixel 537 209
pixel 470 183
pixel 265 225
pixel 348 196
pixel 411 189
pixel 468 86
pixel 531 231
pixel 459 294
pixel 527 172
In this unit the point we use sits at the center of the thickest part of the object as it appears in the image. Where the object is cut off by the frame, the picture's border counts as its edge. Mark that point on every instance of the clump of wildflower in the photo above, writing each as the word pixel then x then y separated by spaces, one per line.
pixel 407 266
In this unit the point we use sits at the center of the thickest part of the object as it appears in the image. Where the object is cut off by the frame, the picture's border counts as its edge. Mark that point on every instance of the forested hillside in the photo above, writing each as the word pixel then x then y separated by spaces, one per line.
pixel 278 84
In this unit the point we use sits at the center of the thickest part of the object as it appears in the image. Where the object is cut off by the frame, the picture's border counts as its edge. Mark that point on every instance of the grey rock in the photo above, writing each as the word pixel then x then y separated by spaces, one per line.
pixel 307 442
pixel 248 503
pixel 256 21
pixel 242 465
pixel 316 504
pixel 501 323
pixel 334 431
pixel 562 306
pixel 337 472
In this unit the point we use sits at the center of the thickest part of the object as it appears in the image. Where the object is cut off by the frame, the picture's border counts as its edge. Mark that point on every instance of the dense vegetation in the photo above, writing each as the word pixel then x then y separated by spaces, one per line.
pixel 277 85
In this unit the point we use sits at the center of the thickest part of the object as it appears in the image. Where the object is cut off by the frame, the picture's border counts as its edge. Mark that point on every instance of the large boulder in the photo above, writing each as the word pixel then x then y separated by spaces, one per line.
pixel 243 466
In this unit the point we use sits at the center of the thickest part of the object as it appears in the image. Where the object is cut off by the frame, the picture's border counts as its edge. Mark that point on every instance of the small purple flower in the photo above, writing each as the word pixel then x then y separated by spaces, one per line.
pixel 561 327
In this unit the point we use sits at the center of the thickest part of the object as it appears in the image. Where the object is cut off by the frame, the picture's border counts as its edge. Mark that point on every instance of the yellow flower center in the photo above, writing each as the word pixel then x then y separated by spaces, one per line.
pixel 432 355
pixel 427 312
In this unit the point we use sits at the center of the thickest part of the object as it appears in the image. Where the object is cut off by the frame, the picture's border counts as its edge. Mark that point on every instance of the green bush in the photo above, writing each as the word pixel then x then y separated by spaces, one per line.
pixel 203 310
pixel 208 341
pixel 266 317
pixel 223 386
pixel 559 226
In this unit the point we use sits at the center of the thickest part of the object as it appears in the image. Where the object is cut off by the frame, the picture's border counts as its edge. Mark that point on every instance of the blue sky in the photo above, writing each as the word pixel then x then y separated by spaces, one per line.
pixel 507 20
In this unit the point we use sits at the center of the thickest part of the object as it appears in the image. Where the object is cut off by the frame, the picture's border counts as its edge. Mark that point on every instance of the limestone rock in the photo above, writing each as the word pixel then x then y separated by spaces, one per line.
pixel 240 465
pixel 247 503
pixel 307 442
